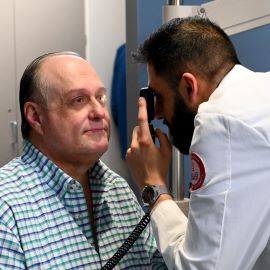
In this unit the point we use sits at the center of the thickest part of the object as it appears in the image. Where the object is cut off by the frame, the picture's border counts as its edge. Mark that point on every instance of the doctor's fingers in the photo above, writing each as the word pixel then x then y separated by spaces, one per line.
pixel 137 145
pixel 133 152
pixel 165 145
pixel 143 120
pixel 134 140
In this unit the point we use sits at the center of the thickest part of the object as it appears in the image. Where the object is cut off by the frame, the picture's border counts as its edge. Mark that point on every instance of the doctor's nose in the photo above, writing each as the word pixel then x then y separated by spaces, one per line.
pixel 158 111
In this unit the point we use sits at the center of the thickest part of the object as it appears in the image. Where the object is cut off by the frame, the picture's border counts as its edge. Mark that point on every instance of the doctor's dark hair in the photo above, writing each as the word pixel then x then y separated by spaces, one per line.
pixel 33 88
pixel 191 44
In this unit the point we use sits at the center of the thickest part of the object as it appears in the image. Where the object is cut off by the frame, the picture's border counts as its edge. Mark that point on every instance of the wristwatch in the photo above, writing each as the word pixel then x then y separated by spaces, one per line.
pixel 151 193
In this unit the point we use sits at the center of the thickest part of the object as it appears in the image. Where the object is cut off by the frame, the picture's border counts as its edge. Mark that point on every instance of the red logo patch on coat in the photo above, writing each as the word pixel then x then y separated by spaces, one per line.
pixel 197 172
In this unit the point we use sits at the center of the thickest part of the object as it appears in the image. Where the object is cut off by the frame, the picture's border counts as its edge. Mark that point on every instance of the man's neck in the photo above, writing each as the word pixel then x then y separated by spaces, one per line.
pixel 74 167
pixel 78 170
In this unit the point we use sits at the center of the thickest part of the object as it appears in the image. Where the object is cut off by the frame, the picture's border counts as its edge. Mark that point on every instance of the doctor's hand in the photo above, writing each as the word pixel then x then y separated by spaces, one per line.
pixel 148 164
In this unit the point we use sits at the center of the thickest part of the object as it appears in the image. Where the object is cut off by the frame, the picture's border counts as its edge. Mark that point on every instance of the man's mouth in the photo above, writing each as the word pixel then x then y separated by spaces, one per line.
pixel 94 130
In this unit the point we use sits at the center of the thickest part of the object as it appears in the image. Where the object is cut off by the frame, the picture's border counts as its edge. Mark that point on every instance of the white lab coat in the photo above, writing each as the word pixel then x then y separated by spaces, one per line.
pixel 228 226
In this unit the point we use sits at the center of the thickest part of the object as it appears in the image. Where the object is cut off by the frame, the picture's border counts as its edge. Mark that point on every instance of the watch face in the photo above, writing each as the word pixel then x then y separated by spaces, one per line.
pixel 148 194
pixel 151 193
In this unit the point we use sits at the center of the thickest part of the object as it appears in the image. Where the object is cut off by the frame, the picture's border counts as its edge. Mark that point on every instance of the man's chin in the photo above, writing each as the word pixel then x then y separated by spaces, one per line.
pixel 94 145
pixel 93 154
pixel 100 148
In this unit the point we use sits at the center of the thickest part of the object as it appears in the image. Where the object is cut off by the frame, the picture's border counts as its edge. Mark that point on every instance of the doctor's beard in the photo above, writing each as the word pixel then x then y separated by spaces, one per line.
pixel 182 125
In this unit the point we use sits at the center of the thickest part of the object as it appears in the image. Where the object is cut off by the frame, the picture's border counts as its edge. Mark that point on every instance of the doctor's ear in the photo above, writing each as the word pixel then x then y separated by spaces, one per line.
pixel 32 112
pixel 191 87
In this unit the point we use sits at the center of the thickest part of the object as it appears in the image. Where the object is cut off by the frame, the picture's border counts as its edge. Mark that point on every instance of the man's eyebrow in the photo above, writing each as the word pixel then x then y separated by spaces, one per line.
pixel 78 90
pixel 103 89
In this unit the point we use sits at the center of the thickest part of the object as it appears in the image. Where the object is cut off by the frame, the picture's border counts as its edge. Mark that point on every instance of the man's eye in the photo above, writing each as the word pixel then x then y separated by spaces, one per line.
pixel 80 100
pixel 102 99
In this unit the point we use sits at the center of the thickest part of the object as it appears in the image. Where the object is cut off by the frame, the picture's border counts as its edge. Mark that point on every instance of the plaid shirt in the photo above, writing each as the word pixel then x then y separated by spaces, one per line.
pixel 44 221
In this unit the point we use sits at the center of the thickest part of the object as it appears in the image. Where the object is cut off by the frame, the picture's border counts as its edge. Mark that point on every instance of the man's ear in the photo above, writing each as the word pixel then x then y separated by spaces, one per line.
pixel 32 112
pixel 191 87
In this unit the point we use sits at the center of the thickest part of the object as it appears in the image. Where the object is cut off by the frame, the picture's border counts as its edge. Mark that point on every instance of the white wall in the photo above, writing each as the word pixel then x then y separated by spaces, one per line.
pixel 28 29
pixel 105 31
pixel 39 29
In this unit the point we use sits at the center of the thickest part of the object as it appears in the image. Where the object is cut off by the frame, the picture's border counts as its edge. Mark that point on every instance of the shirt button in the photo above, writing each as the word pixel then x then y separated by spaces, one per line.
pixel 73 185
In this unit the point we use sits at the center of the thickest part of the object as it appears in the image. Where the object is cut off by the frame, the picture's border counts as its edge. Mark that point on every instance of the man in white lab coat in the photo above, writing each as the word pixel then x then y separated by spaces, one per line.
pixel 218 112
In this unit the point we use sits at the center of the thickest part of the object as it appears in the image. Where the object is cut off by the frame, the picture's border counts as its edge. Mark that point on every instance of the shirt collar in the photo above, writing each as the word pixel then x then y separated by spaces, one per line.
pixel 100 176
pixel 102 181
pixel 47 171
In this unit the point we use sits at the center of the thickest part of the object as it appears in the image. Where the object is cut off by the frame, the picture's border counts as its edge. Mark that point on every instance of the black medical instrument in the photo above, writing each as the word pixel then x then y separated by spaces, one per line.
pixel 149 96
pixel 119 254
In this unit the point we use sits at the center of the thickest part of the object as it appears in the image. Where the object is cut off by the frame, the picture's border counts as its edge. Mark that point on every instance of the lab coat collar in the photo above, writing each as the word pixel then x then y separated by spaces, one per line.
pixel 237 73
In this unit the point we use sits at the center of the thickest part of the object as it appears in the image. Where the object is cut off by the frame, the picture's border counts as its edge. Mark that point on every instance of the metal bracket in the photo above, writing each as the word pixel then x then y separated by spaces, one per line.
pixel 14 132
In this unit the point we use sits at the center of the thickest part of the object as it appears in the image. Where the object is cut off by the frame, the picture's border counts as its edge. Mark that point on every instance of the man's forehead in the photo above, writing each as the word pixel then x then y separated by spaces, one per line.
pixel 69 72
pixel 66 68
pixel 54 61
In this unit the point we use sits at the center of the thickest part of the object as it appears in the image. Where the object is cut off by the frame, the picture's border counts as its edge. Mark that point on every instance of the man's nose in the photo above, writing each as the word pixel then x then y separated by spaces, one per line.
pixel 97 110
